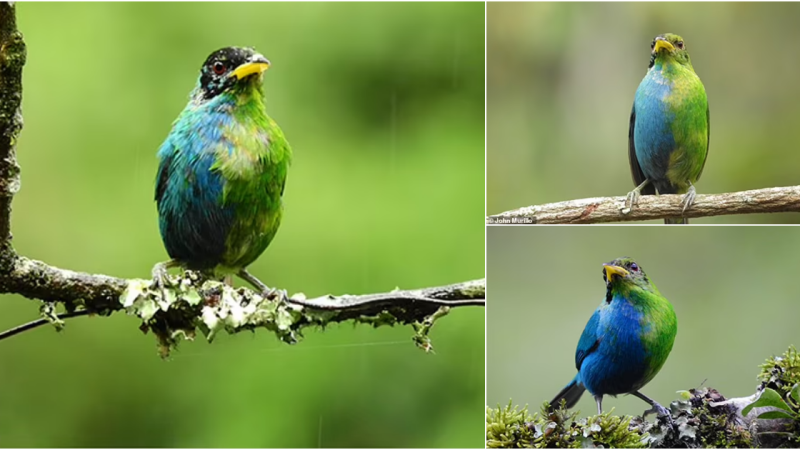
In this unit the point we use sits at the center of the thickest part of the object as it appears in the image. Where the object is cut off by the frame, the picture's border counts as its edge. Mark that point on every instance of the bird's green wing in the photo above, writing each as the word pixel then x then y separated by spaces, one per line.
pixel 636 169
pixel 708 140
pixel 589 340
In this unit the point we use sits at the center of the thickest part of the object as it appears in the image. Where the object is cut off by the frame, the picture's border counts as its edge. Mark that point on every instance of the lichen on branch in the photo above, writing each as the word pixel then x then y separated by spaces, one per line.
pixel 191 303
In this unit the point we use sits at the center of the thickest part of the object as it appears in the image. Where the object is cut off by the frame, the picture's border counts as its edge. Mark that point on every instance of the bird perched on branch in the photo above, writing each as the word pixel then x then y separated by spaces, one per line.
pixel 222 172
pixel 626 341
pixel 669 127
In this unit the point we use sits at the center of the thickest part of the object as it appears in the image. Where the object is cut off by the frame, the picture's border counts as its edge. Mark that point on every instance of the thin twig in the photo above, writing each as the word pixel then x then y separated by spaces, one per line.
pixel 39 322
pixel 613 209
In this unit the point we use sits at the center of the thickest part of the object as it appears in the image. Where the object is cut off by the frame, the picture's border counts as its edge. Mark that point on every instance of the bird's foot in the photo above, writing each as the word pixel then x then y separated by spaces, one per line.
pixel 660 412
pixel 160 276
pixel 688 199
pixel 266 292
pixel 633 197
pixel 631 200
pixel 275 294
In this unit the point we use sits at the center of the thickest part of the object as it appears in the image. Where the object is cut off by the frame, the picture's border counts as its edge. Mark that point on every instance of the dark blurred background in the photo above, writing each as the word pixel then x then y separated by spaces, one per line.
pixel 734 290
pixel 561 81
pixel 384 107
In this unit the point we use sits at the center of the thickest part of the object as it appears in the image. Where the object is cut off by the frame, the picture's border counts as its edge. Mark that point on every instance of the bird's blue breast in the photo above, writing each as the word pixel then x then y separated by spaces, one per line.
pixel 653 135
pixel 193 221
pixel 618 365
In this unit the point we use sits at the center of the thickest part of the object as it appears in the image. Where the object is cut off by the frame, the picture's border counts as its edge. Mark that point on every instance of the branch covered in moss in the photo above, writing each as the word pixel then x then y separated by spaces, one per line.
pixel 614 209
pixel 701 418
pixel 12 58
pixel 190 303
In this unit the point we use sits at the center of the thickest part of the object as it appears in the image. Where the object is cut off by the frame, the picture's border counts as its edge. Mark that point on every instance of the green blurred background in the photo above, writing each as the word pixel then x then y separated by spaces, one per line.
pixel 734 290
pixel 383 105
pixel 561 81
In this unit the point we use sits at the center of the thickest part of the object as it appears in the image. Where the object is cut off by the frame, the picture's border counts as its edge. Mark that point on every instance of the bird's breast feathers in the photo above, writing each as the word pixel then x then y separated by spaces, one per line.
pixel 243 151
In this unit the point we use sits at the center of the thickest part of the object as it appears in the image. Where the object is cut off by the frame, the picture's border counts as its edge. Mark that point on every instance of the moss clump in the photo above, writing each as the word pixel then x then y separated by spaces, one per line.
pixel 701 418
pixel 508 427
pixel 607 431
pixel 512 427
pixel 708 423
pixel 781 376
pixel 781 373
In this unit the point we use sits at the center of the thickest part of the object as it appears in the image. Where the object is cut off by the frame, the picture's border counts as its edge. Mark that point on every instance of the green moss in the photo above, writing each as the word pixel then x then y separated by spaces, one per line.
pixel 781 372
pixel 782 375
pixel 508 427
pixel 613 431
pixel 702 418
pixel 717 426
pixel 421 329
pixel 512 427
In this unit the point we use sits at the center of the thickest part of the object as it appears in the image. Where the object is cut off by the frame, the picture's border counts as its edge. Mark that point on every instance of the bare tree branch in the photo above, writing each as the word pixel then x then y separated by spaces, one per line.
pixel 190 303
pixel 613 209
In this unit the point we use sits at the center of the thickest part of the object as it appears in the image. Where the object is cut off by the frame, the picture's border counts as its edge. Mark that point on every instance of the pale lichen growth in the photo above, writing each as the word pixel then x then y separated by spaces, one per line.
pixel 190 303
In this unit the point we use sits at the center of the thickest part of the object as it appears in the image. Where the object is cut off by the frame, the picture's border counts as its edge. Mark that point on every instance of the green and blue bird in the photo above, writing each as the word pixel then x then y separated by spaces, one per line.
pixel 222 172
pixel 626 341
pixel 669 127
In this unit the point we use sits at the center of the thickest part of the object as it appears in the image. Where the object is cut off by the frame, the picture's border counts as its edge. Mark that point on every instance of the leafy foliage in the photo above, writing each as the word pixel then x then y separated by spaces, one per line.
pixel 780 390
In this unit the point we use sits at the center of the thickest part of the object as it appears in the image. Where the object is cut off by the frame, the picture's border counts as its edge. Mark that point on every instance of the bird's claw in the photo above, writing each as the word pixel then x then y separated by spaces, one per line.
pixel 631 200
pixel 159 274
pixel 275 294
pixel 660 411
pixel 688 199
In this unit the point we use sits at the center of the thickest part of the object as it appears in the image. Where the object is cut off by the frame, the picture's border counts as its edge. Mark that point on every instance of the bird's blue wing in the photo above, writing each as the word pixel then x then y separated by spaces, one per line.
pixel 193 221
pixel 590 340
pixel 165 154
pixel 636 169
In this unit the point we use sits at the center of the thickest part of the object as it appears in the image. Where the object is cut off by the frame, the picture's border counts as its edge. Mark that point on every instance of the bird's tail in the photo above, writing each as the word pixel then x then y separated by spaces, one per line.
pixel 676 220
pixel 571 393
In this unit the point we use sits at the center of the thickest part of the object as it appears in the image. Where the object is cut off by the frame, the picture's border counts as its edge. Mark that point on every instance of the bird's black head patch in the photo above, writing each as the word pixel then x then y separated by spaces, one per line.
pixel 216 73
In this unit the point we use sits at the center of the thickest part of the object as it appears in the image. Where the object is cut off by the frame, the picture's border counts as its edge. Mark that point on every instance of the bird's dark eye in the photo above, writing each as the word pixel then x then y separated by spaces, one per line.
pixel 680 44
pixel 634 267
pixel 219 67
pixel 653 45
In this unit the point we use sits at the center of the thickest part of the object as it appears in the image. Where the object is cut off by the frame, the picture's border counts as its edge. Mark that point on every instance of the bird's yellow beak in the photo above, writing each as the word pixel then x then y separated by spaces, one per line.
pixel 661 43
pixel 614 270
pixel 258 64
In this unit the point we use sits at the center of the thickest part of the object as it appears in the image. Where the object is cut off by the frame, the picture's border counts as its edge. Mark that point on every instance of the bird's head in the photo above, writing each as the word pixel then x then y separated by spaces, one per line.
pixel 669 47
pixel 230 68
pixel 623 274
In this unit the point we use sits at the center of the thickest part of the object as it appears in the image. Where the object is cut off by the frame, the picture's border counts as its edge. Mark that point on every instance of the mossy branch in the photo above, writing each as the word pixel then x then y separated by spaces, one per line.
pixel 702 418
pixel 12 58
pixel 190 302
pixel 614 209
